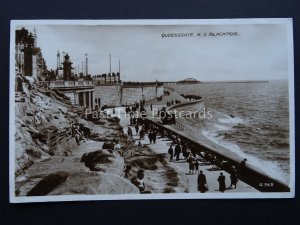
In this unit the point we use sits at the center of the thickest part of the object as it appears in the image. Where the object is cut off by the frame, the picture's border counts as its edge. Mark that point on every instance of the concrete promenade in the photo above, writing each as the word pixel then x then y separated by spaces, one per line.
pixel 161 147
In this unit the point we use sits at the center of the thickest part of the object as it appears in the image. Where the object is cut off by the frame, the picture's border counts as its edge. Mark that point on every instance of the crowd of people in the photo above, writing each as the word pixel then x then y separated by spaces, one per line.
pixel 191 97
pixel 203 186
pixel 142 129
pixel 173 102
pixel 193 157
pixel 179 147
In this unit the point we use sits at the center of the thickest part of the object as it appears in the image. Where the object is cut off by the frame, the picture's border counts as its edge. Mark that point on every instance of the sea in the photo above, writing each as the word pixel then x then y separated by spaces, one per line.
pixel 249 119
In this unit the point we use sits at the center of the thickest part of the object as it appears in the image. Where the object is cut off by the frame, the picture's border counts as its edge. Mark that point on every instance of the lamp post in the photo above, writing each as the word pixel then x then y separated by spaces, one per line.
pixel 121 93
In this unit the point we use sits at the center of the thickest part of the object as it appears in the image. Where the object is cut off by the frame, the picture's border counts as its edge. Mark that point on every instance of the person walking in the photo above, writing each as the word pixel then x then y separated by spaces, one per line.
pixel 184 151
pixel 150 136
pixel 241 167
pixel 221 180
pixel 202 185
pixel 142 134
pixel 177 152
pixel 196 165
pixel 134 120
pixel 131 122
pixel 154 136
pixel 191 162
pixel 136 129
pixel 233 177
pixel 171 152
pixel 129 132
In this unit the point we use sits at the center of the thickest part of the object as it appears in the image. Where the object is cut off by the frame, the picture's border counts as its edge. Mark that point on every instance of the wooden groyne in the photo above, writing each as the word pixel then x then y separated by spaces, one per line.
pixel 248 174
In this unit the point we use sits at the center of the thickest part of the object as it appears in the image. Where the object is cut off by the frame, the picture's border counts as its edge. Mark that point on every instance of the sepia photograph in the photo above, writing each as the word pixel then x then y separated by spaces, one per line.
pixel 151 109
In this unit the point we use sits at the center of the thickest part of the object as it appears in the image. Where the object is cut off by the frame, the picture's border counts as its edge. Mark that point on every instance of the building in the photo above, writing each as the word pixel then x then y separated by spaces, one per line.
pixel 103 79
pixel 67 68
pixel 29 60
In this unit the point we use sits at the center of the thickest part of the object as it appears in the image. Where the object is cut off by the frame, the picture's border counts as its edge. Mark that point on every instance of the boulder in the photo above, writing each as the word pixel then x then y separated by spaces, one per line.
pixel 99 122
pixel 95 183
pixel 48 183
pixel 114 119
pixel 86 130
pixel 108 145
pixel 34 153
pixel 92 159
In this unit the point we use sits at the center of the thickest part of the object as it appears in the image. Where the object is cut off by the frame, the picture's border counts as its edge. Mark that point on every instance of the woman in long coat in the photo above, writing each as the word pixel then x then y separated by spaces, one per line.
pixel 221 180
pixel 202 185
pixel 233 177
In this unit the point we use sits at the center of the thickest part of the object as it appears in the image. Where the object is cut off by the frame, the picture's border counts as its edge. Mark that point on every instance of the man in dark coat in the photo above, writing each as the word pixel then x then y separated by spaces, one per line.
pixel 131 122
pixel 136 129
pixel 142 133
pixel 221 180
pixel 134 120
pixel 241 167
pixel 177 152
pixel 202 185
pixel 154 136
pixel 171 152
pixel 150 136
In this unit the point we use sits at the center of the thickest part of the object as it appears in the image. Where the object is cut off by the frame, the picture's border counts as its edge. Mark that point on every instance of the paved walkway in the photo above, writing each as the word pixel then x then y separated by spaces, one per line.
pixel 162 145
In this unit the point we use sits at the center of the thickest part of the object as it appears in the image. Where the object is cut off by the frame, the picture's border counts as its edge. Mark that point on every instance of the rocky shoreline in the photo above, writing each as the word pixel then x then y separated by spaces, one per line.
pixel 48 160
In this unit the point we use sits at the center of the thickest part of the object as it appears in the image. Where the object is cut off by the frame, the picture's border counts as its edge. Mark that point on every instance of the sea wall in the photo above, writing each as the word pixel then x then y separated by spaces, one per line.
pixel 135 94
pixel 107 95
pixel 114 95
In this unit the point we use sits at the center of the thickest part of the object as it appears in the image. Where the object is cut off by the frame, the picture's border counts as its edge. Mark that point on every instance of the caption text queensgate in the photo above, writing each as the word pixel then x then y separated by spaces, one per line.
pixel 204 34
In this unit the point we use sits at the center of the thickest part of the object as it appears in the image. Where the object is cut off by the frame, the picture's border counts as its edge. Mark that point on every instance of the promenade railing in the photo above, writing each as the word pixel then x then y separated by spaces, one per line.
pixel 55 84
pixel 178 126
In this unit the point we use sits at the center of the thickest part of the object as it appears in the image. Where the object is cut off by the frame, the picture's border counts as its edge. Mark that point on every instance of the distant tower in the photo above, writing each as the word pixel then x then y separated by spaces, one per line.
pixel 67 67
pixel 58 59
pixel 86 64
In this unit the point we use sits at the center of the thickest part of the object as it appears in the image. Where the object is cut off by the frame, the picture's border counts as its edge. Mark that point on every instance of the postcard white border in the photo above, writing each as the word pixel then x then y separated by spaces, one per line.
pixel 247 195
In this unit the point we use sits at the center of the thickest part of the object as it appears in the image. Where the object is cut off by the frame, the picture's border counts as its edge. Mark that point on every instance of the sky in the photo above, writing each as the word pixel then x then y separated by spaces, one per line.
pixel 254 52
